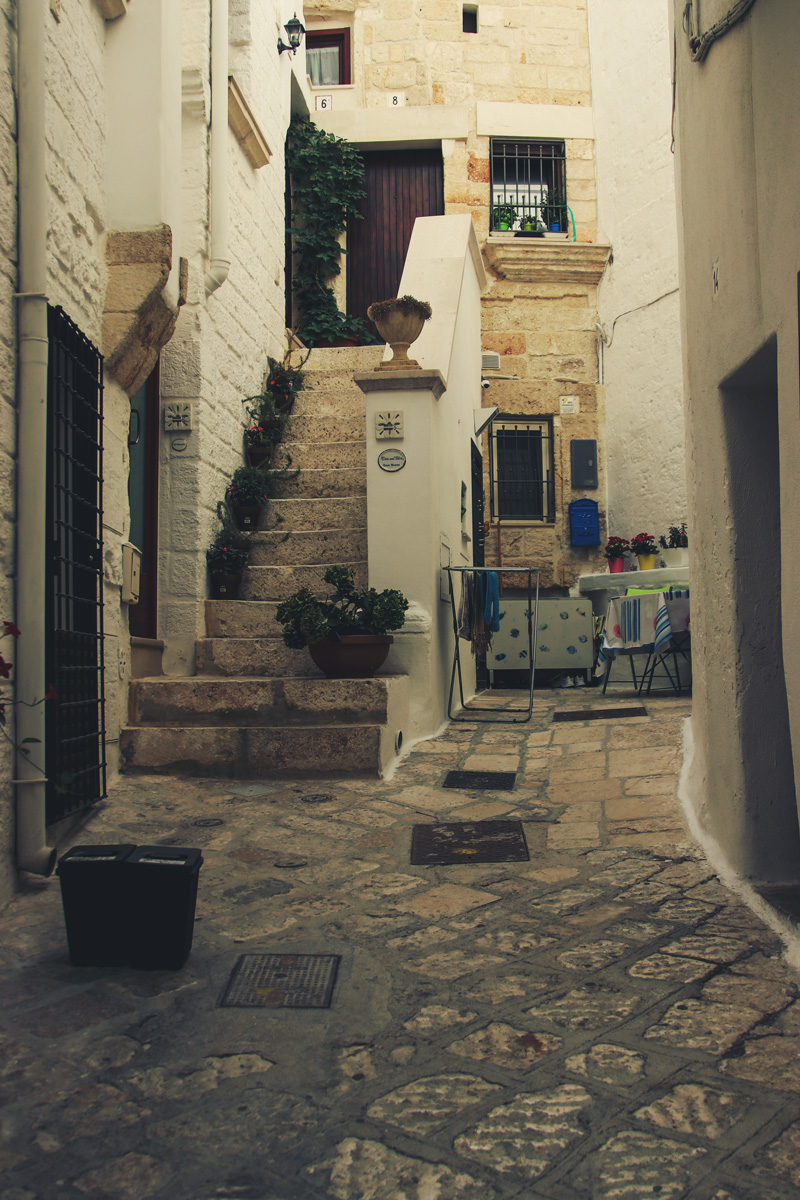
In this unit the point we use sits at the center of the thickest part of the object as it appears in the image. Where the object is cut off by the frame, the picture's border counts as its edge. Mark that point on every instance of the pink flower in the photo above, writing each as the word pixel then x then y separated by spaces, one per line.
pixel 10 629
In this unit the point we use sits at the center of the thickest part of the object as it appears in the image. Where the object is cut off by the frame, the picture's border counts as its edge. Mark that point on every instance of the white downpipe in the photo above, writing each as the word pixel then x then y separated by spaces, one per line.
pixel 219 262
pixel 33 853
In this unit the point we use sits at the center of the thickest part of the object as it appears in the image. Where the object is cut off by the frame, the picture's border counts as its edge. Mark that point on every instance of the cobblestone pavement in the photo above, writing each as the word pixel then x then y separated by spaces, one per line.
pixel 604 1021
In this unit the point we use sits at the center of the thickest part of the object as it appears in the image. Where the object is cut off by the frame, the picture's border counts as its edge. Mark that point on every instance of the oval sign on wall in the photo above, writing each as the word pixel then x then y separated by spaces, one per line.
pixel 391 460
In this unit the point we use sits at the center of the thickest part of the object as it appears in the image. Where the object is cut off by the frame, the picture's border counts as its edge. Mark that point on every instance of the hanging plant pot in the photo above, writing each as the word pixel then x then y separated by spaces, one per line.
pixel 259 455
pixel 246 516
pixel 356 656
pixel 226 587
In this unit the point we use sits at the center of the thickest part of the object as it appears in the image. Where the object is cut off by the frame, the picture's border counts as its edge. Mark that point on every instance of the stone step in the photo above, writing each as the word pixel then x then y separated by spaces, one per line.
pixel 249 752
pixel 327 512
pixel 340 358
pixel 346 481
pixel 249 656
pixel 314 428
pixel 278 583
pixel 326 455
pixel 242 619
pixel 245 701
pixel 334 400
pixel 300 547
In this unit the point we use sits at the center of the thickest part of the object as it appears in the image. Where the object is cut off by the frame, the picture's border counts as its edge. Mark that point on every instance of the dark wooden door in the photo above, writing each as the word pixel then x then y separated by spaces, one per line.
pixel 401 185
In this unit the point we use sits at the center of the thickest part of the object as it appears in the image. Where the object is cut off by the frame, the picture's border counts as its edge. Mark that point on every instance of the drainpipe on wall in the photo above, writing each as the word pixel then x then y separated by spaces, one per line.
pixel 33 853
pixel 219 263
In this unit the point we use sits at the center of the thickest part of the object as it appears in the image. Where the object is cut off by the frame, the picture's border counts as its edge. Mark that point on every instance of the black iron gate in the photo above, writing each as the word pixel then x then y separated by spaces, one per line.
pixel 75 721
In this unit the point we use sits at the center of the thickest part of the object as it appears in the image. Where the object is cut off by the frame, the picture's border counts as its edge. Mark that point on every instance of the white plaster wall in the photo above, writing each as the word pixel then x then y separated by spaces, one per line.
pixel 218 354
pixel 638 301
pixel 443 267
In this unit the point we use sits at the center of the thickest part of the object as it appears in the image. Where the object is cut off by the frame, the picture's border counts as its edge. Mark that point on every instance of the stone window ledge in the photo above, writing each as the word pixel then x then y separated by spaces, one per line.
pixel 541 260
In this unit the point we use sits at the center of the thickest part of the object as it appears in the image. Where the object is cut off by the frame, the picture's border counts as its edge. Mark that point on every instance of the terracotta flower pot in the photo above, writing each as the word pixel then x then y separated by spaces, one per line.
pixel 356 656
pixel 399 329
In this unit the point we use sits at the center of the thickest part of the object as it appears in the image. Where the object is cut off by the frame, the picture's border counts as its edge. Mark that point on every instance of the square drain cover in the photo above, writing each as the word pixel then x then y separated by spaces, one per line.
pixel 469 842
pixel 495 781
pixel 600 714
pixel 282 981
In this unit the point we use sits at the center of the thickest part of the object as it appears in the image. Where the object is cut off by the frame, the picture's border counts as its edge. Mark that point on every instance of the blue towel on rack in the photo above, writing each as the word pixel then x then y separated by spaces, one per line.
pixel 491 605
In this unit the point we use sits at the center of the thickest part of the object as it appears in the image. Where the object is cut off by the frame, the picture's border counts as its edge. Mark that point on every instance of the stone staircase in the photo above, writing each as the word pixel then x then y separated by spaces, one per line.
pixel 256 708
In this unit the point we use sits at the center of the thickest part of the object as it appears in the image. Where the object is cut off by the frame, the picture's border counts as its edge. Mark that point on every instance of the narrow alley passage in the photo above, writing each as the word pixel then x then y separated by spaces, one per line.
pixel 605 1020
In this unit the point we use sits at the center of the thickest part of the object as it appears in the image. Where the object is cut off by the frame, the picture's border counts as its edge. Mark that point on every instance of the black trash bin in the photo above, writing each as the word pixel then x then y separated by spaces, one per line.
pixel 96 909
pixel 162 892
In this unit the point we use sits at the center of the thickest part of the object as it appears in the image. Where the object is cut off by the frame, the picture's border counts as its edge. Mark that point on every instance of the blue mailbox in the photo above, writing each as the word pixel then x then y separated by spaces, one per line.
pixel 584 523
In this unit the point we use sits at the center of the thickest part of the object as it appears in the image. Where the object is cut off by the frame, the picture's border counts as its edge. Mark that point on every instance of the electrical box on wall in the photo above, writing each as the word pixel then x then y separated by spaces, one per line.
pixel 131 573
pixel 584 523
pixel 583 453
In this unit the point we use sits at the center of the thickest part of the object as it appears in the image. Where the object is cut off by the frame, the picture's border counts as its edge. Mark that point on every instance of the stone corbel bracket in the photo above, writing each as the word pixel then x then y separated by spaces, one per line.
pixel 138 321
pixel 529 261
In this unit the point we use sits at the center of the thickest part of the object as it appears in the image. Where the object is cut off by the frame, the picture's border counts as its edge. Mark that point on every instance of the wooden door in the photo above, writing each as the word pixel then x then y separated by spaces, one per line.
pixel 401 185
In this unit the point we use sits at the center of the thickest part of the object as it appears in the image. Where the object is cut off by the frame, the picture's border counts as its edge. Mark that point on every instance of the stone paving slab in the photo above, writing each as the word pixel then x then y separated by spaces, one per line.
pixel 604 1022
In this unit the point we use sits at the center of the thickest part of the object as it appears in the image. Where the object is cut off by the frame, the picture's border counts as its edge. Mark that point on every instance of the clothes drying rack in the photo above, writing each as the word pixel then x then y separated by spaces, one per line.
pixel 521 715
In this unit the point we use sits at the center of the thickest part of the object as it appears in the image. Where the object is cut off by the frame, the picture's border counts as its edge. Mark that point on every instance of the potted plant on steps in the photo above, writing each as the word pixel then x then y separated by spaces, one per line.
pixel 399 322
pixel 347 632
pixel 675 546
pixel 615 550
pixel 248 491
pixel 644 547
pixel 225 566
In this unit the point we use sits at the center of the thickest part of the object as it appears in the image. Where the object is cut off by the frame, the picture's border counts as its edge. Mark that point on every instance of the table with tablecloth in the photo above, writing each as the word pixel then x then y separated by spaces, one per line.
pixel 654 624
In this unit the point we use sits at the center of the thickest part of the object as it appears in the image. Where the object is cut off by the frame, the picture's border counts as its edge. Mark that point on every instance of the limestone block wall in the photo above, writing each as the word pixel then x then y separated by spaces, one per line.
pixel 638 303
pixel 218 354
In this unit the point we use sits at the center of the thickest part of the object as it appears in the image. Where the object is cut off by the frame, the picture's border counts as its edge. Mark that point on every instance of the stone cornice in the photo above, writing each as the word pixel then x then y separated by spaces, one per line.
pixel 246 128
pixel 401 381
pixel 534 260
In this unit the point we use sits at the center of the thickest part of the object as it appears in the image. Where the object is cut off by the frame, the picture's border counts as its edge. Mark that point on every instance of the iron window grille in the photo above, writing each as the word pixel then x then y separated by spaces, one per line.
pixel 522 479
pixel 530 179
pixel 75 721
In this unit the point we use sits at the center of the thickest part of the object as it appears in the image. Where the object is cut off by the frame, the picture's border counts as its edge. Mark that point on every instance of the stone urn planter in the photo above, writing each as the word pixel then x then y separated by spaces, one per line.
pixel 399 322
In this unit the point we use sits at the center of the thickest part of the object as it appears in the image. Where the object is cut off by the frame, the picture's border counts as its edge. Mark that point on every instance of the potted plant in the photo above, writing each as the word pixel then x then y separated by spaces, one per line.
pixel 503 217
pixel 675 546
pixel 265 429
pixel 644 547
pixel 225 566
pixel 615 550
pixel 399 322
pixel 248 490
pixel 553 211
pixel 347 631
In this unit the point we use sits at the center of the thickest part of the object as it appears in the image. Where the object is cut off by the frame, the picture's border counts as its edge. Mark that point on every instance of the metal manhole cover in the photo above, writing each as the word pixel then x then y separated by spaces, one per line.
pixel 318 798
pixel 599 714
pixel 282 981
pixel 207 822
pixel 496 781
pixel 469 842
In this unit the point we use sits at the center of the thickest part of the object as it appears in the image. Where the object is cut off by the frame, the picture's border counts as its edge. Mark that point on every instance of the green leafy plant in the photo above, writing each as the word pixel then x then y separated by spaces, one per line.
pixel 326 179
pixel 307 619
pixel 554 210
pixel 250 485
pixel 676 539
pixel 503 214
pixel 225 559
pixel 643 543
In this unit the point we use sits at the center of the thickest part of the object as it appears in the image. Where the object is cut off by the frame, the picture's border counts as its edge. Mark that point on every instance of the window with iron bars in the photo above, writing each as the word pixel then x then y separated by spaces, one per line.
pixel 522 482
pixel 529 186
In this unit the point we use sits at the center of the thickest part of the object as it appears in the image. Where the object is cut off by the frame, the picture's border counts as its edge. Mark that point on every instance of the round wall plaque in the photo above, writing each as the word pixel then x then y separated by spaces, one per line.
pixel 391 460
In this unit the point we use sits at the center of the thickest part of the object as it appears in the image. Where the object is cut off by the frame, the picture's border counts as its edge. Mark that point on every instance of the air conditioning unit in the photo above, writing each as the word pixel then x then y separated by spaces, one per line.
pixel 490 361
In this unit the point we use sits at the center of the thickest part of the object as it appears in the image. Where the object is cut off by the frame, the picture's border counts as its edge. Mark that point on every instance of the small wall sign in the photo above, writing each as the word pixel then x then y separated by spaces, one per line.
pixel 388 425
pixel 323 103
pixel 391 460
pixel 396 99
pixel 570 405
pixel 177 417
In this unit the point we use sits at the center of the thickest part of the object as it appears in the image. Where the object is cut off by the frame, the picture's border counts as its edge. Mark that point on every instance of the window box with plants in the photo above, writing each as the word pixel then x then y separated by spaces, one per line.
pixel 347 631
pixel 400 321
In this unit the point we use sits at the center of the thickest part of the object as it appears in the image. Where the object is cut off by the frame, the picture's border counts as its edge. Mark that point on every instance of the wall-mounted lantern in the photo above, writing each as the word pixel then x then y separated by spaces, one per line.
pixel 294 31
